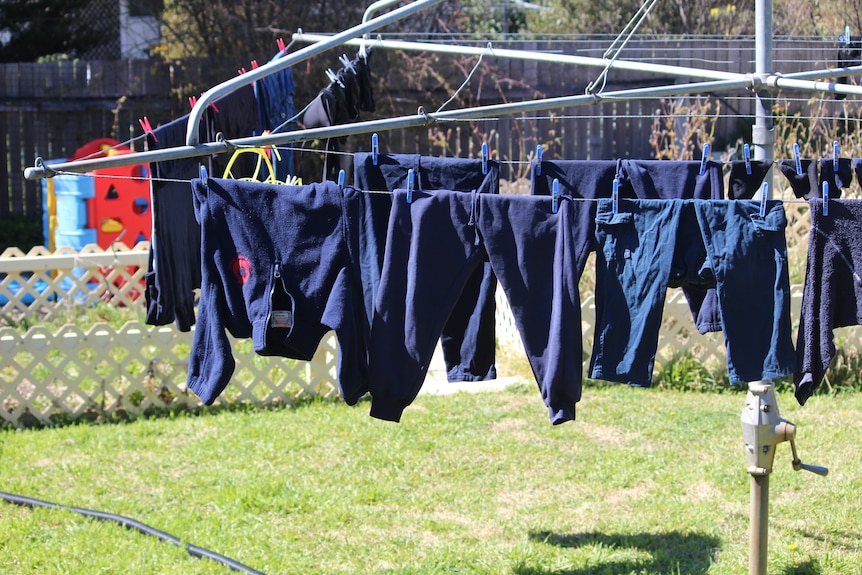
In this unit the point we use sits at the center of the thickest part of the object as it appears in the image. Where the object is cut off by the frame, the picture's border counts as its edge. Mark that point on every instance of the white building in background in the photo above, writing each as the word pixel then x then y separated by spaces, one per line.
pixel 139 28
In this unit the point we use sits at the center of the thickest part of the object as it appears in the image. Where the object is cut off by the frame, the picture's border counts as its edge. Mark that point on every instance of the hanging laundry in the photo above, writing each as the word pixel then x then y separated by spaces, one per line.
pixel 274 95
pixel 804 185
pixel 741 184
pixel 835 179
pixel 236 117
pixel 433 245
pixel 832 296
pixel 174 263
pixel 340 102
pixel 650 245
pixel 387 173
pixel 173 270
pixel 279 269
pixel 646 179
pixel 468 340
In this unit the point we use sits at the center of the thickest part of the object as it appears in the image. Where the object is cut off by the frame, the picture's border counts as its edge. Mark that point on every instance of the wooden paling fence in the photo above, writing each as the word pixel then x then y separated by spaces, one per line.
pixel 83 369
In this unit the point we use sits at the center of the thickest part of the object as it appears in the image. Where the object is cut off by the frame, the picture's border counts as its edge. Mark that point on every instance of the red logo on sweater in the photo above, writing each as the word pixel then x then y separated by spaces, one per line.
pixel 242 269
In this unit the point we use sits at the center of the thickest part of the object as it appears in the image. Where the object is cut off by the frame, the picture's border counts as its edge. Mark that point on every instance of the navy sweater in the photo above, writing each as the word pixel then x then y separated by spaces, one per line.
pixel 279 266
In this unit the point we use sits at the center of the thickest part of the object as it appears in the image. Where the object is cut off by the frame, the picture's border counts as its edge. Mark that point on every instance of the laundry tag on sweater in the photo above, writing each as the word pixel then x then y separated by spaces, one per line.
pixel 281 318
pixel 281 302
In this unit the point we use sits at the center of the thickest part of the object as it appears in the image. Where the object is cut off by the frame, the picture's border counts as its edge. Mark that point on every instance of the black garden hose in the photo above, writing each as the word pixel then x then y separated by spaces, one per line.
pixel 136 525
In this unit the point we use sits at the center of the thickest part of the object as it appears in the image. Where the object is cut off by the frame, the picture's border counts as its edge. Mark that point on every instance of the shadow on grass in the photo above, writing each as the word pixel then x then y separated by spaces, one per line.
pixel 846 539
pixel 805 568
pixel 121 416
pixel 673 552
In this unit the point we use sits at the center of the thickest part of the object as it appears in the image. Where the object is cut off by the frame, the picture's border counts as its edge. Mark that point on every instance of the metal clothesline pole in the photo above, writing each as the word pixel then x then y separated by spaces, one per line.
pixel 532 55
pixel 211 95
pixel 763 140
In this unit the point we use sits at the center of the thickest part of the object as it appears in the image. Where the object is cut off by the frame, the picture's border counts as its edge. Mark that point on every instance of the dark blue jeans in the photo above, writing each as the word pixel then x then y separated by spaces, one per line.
pixel 650 245
pixel 644 179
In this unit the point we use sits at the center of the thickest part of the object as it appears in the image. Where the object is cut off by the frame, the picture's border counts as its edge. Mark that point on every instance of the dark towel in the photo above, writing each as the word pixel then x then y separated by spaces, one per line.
pixel 832 296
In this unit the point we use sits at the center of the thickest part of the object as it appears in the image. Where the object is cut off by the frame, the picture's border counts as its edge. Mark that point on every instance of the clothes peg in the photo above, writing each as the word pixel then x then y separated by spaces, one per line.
pixel 281 46
pixel 204 176
pixel 615 196
pixel 333 77
pixel 704 159
pixel 341 179
pixel 241 71
pixel 254 65
pixel 375 148
pixel 764 192
pixel 194 100
pixel 345 61
pixel 825 198
pixel 410 186
pixel 148 129
pixel 555 195
pixel 797 159
pixel 484 157
pixel 746 153
pixel 835 154
pixel 539 160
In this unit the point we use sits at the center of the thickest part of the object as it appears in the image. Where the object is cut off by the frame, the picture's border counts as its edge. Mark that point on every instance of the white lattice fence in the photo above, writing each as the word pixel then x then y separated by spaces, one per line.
pixel 103 372
pixel 99 371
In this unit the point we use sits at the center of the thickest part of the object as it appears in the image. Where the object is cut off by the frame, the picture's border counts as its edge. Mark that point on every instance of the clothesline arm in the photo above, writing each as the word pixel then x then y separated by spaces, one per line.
pixel 796 81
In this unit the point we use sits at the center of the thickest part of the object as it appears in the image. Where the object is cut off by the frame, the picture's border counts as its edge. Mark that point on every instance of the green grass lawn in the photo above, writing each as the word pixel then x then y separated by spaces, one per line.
pixel 646 481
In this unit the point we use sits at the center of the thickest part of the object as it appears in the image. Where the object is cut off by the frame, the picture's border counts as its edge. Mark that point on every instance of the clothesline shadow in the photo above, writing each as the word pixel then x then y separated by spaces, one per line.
pixel 808 567
pixel 673 552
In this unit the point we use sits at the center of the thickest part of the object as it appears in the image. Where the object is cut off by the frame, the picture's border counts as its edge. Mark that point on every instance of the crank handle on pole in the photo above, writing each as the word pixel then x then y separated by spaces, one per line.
pixel 798 465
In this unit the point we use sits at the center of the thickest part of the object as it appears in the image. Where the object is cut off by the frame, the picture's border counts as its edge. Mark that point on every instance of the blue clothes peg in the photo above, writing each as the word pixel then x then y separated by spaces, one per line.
pixel 615 196
pixel 746 153
pixel 764 193
pixel 825 198
pixel 204 175
pixel 798 159
pixel 704 159
pixel 375 148
pixel 410 186
pixel 835 154
pixel 484 157
pixel 539 160
pixel 555 195
pixel 341 179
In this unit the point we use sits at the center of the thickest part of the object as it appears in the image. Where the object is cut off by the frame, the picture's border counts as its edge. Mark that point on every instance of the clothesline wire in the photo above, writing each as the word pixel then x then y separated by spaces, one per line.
pixel 182 181
pixel 488 50
pixel 316 151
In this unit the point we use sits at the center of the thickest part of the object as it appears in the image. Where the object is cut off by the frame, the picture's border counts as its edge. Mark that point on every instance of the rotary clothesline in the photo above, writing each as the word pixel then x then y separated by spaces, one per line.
pixel 761 433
